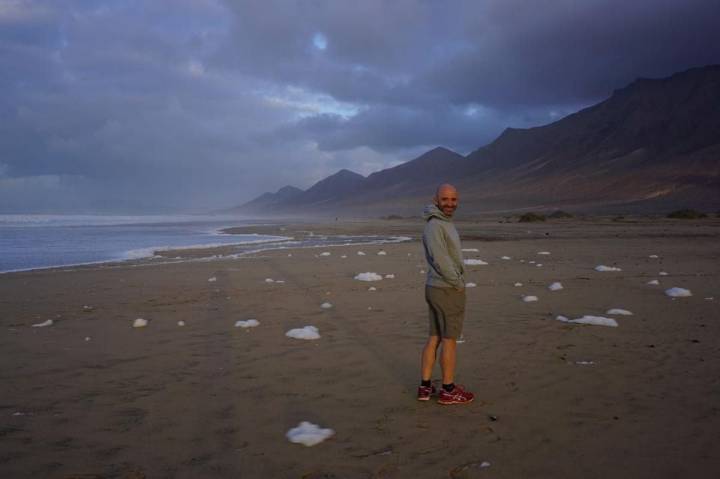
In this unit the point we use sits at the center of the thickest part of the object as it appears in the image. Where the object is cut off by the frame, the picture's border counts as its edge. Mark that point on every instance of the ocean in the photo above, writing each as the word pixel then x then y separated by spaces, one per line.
pixel 43 241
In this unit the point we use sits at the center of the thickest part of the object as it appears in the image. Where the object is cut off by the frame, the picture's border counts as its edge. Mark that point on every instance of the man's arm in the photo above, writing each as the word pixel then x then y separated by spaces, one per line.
pixel 437 254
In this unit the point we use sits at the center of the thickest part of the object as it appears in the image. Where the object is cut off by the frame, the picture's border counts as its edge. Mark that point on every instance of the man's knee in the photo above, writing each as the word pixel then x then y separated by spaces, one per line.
pixel 450 343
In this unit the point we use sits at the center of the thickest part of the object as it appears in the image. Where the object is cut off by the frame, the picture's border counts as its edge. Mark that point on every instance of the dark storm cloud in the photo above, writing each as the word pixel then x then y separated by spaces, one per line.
pixel 207 103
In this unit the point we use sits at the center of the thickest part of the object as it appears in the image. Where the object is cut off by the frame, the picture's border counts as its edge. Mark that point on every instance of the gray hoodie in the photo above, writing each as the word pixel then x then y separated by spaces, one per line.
pixel 442 250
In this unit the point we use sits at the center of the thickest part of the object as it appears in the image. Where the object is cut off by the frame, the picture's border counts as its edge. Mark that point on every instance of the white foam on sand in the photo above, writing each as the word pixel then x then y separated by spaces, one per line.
pixel 556 286
pixel 44 324
pixel 470 250
pixel 250 323
pixel 529 299
pixel 360 253
pixel 653 282
pixel 517 285
pixel 531 262
pixel 592 320
pixel 653 256
pixel 389 276
pixel 602 268
pixel 140 323
pixel 269 280
pixel 325 253
pixel 308 332
pixel 623 312
pixel 470 285
pixel 381 253
pixel 372 288
pixel 662 273
pixel 474 262
pixel 544 252
pixel 212 280
pixel 678 292
pixel 369 276
pixel 343 256
pixel 539 265
pixel 505 257
pixel 308 434
pixel 326 305
pixel 181 323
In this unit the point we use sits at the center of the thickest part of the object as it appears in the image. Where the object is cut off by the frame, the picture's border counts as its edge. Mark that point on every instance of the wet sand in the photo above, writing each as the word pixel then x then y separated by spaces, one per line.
pixel 210 400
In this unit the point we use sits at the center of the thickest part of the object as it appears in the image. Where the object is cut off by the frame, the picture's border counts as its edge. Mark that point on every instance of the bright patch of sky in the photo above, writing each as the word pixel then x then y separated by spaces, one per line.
pixel 320 41
pixel 307 104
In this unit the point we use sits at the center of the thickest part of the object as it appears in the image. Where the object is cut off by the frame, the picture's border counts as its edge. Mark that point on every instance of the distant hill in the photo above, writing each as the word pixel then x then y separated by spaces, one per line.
pixel 277 199
pixel 651 146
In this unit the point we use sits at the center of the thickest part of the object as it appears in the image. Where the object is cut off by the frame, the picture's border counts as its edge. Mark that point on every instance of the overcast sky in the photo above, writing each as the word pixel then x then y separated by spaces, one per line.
pixel 190 105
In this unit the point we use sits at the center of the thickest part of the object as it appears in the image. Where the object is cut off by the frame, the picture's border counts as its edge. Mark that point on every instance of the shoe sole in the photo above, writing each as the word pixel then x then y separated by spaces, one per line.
pixel 448 403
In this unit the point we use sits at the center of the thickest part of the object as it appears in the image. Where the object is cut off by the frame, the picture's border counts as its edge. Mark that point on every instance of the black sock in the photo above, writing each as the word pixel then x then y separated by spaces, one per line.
pixel 449 387
pixel 425 384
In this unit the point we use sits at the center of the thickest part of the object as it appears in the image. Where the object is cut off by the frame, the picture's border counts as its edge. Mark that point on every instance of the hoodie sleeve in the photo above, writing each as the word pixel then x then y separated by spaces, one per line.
pixel 436 251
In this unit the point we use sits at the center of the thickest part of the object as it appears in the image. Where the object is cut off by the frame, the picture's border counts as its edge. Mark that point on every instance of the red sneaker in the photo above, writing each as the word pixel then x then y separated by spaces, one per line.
pixel 424 392
pixel 457 396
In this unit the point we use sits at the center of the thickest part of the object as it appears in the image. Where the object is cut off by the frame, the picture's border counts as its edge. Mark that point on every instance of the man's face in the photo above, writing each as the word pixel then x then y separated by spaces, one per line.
pixel 447 201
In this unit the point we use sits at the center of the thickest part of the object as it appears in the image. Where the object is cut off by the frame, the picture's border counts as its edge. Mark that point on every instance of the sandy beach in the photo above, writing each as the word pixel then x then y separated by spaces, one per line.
pixel 93 397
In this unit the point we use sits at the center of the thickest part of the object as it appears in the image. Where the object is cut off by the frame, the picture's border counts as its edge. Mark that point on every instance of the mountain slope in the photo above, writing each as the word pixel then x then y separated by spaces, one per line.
pixel 654 144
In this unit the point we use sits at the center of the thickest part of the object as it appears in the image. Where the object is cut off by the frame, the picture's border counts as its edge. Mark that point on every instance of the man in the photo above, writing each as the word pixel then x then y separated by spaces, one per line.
pixel 445 296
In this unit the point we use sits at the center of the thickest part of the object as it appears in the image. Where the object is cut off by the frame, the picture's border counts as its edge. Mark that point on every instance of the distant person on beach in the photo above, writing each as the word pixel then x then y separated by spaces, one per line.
pixel 445 296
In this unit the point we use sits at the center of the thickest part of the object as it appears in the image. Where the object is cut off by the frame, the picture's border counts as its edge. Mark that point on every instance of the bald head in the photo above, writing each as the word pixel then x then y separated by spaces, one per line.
pixel 446 199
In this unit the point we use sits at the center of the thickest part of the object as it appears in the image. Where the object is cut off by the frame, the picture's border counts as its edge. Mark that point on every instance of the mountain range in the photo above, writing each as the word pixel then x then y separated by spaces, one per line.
pixel 652 146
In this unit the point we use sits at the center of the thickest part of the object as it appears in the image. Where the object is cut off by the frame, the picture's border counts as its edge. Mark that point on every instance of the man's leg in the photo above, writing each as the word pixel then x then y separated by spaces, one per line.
pixel 447 360
pixel 429 356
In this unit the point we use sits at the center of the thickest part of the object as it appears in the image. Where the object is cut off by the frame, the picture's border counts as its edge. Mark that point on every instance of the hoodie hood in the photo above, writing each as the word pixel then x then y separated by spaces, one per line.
pixel 433 211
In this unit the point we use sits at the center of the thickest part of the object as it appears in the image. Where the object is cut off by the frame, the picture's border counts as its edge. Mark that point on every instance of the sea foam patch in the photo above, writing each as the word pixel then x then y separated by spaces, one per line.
pixel 543 252
pixel 308 434
pixel 556 286
pixel 140 323
pixel 326 305
pixel 308 332
pixel 602 267
pixel 678 292
pixel 250 323
pixel 592 320
pixel 653 282
pixel 622 312
pixel 506 258
pixel 529 299
pixel 470 285
pixel 44 324
pixel 470 250
pixel 474 262
pixel 369 276
pixel 325 253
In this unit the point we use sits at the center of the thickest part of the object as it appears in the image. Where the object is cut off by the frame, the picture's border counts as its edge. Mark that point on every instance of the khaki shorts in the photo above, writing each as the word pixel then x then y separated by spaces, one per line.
pixel 446 311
